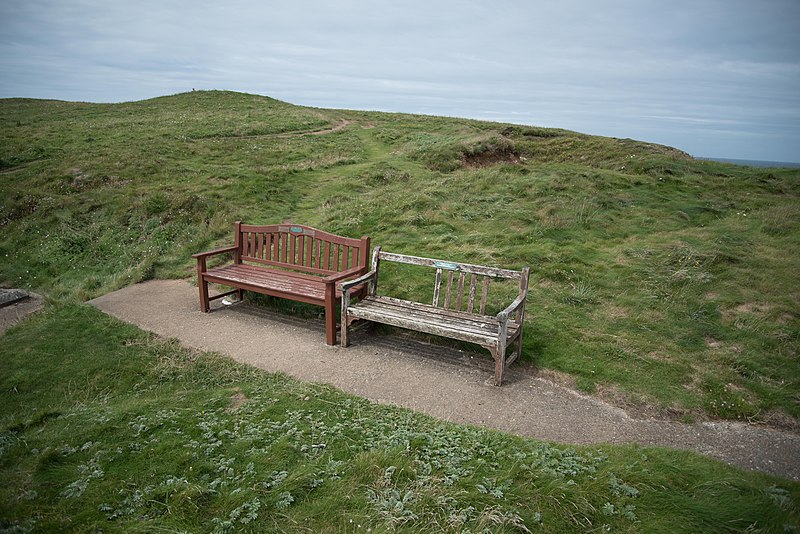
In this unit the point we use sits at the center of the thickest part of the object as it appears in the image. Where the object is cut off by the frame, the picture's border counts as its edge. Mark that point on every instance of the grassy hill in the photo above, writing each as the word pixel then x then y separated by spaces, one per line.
pixel 659 282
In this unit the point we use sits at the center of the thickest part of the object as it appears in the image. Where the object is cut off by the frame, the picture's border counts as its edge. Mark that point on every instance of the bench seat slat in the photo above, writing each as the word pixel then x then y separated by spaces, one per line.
pixel 433 310
pixel 288 265
pixel 482 330
pixel 257 272
pixel 425 312
pixel 284 282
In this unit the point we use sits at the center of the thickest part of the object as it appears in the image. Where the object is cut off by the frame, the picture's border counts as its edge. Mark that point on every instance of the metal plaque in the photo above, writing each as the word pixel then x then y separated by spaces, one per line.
pixel 446 265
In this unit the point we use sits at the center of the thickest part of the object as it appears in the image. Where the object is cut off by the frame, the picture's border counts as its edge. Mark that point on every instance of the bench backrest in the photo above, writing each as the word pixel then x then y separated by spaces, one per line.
pixel 299 247
pixel 458 291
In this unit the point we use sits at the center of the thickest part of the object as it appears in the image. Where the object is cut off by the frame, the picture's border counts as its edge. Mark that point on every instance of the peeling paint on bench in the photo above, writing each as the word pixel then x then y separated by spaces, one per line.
pixel 451 318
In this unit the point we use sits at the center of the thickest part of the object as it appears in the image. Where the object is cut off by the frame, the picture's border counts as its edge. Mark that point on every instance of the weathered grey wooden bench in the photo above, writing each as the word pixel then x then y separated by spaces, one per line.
pixel 290 261
pixel 452 314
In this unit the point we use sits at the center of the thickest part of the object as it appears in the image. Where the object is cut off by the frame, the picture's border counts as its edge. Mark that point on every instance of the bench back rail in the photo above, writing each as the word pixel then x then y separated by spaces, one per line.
pixel 460 291
pixel 299 247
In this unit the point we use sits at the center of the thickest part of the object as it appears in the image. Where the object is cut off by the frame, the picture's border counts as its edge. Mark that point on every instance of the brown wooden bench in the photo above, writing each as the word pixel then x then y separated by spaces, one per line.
pixel 453 313
pixel 290 261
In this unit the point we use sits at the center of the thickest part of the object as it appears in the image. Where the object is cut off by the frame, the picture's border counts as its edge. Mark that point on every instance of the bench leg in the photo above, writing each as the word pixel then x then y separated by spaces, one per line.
pixel 499 355
pixel 345 341
pixel 330 315
pixel 203 285
pixel 519 345
pixel 499 367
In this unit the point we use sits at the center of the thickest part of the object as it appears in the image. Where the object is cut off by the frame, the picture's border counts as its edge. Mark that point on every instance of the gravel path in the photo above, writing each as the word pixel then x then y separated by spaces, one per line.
pixel 442 382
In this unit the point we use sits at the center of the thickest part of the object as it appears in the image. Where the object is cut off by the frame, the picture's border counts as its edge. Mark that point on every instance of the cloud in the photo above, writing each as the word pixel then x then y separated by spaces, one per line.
pixel 677 73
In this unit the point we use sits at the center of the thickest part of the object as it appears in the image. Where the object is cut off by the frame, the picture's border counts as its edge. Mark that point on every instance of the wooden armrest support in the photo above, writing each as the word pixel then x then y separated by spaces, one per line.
pixel 214 252
pixel 503 315
pixel 346 286
pixel 344 274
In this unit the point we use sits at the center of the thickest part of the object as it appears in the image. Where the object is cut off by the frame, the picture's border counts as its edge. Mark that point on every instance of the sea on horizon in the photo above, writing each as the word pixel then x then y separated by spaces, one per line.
pixel 754 162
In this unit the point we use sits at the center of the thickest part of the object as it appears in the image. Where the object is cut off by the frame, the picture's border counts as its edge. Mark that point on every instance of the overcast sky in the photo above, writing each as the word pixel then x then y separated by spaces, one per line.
pixel 713 78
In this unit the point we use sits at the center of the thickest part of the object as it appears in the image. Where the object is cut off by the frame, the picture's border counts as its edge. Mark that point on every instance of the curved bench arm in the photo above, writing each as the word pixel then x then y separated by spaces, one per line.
pixel 346 286
pixel 519 301
pixel 223 250
pixel 344 274
pixel 201 256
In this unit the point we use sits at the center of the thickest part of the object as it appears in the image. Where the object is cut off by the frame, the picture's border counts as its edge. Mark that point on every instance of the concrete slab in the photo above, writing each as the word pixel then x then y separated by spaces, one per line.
pixel 12 296
pixel 17 304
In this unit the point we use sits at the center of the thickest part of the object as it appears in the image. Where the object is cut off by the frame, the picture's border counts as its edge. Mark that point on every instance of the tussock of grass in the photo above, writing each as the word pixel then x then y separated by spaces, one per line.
pixel 117 430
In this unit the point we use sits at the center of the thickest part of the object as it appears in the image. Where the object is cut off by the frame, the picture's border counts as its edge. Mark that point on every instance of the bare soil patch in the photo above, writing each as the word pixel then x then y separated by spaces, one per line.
pixel 491 157
pixel 753 307
pixel 237 400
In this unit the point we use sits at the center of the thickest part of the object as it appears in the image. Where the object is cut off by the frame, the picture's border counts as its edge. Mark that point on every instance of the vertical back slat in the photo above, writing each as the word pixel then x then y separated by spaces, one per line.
pixel 301 249
pixel 245 243
pixel 460 294
pixel 484 293
pixel 437 284
pixel 449 289
pixel 237 242
pixel 473 282
pixel 335 266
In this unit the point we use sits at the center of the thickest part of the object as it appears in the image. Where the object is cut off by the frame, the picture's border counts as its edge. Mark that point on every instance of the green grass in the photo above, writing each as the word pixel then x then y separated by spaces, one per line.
pixel 666 281
pixel 106 428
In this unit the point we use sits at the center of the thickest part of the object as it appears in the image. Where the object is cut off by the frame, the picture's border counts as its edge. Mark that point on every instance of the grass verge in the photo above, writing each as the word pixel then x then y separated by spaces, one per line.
pixel 105 427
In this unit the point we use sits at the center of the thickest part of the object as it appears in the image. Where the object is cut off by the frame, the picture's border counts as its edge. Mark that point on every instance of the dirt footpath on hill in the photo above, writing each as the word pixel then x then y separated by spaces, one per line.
pixel 441 382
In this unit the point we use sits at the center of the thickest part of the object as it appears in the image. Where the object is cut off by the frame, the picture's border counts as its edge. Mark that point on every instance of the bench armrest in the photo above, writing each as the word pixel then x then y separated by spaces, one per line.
pixel 214 252
pixel 519 301
pixel 346 286
pixel 344 274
